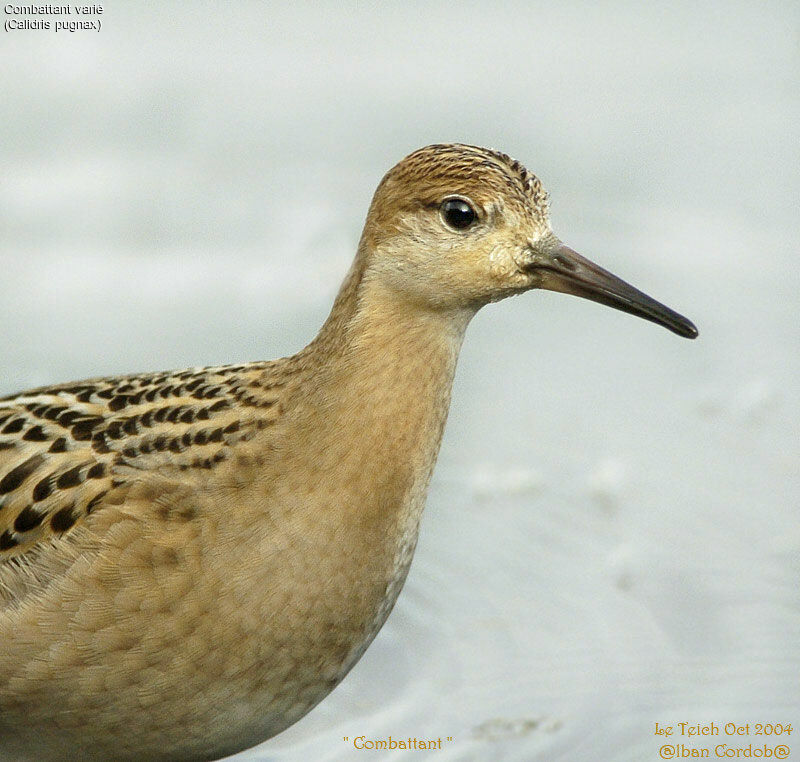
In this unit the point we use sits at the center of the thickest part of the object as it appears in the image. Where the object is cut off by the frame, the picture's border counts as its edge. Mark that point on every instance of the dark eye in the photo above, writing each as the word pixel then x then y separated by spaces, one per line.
pixel 457 213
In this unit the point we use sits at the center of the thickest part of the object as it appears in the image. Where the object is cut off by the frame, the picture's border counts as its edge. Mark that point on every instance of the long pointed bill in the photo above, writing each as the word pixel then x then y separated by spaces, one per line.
pixel 562 269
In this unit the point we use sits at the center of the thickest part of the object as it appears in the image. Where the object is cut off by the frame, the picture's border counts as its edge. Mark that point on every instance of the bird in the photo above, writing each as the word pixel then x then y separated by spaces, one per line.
pixel 191 560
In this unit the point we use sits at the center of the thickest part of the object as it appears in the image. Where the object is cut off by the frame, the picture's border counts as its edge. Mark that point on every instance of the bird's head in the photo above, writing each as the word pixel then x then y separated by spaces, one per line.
pixel 455 226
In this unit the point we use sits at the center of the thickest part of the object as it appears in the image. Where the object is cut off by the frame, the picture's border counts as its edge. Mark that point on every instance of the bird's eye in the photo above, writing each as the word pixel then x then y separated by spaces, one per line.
pixel 457 213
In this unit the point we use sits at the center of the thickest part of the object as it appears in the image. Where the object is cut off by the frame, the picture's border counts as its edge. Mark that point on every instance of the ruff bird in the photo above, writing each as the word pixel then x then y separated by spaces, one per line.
pixel 191 560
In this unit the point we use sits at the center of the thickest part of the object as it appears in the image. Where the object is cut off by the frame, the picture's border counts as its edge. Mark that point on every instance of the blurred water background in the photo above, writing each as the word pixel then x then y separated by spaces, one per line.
pixel 612 537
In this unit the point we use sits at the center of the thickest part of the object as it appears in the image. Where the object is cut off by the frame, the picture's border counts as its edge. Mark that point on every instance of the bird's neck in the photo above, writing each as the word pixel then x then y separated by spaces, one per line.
pixel 378 400
pixel 362 431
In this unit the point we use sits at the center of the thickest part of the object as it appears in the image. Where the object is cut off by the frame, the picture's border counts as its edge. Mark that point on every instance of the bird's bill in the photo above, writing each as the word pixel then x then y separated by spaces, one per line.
pixel 562 269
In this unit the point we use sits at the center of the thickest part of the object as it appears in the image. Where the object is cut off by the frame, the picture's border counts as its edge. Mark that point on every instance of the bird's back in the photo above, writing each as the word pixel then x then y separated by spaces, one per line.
pixel 65 449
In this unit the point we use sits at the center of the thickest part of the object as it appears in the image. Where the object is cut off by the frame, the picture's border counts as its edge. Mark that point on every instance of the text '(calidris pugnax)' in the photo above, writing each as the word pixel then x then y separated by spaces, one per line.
pixel 191 560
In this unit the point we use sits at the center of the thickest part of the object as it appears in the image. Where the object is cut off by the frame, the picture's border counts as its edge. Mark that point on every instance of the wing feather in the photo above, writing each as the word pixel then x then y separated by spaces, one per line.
pixel 64 448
